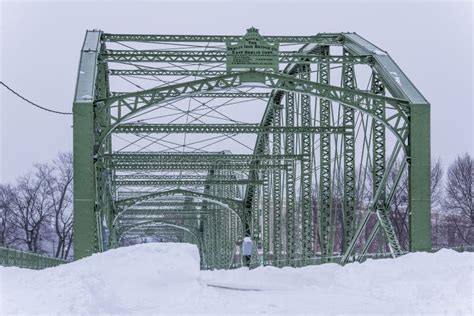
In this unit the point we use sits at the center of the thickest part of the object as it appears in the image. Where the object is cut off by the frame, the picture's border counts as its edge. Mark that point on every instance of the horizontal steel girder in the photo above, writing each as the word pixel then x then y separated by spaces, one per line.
pixel 199 195
pixel 323 38
pixel 155 223
pixel 213 95
pixel 165 157
pixel 177 204
pixel 133 103
pixel 184 182
pixel 166 72
pixel 221 57
pixel 181 209
pixel 223 128
pixel 165 177
pixel 150 166
pixel 140 216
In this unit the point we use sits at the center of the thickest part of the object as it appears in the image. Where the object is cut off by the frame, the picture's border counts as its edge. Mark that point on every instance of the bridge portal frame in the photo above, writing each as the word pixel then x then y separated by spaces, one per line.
pixel 91 125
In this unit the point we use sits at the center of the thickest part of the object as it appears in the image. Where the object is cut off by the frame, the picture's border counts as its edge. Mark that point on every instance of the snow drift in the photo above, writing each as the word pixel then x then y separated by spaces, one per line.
pixel 165 279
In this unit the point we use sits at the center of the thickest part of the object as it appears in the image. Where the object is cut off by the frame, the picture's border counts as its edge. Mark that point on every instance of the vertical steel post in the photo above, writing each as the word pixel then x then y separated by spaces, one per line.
pixel 325 194
pixel 266 204
pixel 290 179
pixel 85 234
pixel 378 149
pixel 306 164
pixel 419 178
pixel 276 150
pixel 348 205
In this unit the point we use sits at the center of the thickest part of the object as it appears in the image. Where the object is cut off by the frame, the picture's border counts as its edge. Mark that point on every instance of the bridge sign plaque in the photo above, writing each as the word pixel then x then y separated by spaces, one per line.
pixel 252 52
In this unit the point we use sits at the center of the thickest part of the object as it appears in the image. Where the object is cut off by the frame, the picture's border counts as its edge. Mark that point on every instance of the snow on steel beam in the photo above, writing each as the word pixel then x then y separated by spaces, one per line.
pixel 85 86
pixel 393 77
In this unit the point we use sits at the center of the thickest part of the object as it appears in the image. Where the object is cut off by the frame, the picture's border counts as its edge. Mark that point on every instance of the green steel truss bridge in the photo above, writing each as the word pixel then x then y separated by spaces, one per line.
pixel 210 139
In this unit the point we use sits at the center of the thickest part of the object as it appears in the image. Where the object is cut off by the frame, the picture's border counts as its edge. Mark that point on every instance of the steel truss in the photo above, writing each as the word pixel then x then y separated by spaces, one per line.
pixel 174 143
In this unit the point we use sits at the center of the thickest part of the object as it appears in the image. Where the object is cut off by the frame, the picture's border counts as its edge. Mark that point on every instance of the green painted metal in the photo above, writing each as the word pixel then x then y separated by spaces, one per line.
pixel 419 178
pixel 223 128
pixel 23 259
pixel 210 95
pixel 320 38
pixel 222 56
pixel 154 130
pixel 378 155
pixel 306 172
pixel 325 179
pixel 276 190
pixel 290 179
pixel 85 242
pixel 349 186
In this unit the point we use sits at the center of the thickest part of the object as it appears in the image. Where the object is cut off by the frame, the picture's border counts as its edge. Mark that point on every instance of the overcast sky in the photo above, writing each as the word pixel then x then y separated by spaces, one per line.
pixel 40 43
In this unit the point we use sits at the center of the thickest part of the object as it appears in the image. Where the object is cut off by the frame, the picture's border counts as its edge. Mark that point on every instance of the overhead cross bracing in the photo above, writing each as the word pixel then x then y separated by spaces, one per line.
pixel 296 142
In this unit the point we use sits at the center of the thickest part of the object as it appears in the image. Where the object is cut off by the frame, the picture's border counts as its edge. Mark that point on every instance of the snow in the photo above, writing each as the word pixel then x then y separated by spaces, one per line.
pixel 379 52
pixel 396 77
pixel 165 279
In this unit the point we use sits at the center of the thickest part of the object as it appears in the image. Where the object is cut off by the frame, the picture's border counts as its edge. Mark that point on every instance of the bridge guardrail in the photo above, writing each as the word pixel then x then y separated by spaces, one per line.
pixel 23 259
pixel 337 258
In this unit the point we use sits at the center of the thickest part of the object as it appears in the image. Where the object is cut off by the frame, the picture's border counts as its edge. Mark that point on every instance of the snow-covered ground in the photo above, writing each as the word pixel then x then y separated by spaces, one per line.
pixel 165 279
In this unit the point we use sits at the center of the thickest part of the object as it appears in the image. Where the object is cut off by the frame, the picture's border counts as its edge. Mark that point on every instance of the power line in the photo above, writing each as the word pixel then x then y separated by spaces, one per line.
pixel 32 103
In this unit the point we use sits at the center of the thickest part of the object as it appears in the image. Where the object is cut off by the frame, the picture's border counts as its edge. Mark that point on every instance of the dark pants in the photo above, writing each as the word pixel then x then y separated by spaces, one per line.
pixel 246 260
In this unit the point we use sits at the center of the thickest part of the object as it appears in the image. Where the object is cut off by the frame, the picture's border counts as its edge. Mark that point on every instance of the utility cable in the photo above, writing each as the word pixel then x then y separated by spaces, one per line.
pixel 32 103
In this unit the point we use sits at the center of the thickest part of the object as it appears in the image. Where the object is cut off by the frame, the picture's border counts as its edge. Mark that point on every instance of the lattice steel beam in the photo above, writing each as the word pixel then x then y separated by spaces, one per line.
pixel 306 171
pixel 207 157
pixel 290 179
pixel 220 57
pixel 188 166
pixel 184 182
pixel 349 186
pixel 210 95
pixel 166 72
pixel 131 103
pixel 276 189
pixel 222 129
pixel 325 179
pixel 326 38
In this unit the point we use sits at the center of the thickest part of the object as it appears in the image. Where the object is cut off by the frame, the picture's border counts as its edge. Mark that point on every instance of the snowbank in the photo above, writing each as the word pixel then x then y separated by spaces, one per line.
pixel 165 279
pixel 134 279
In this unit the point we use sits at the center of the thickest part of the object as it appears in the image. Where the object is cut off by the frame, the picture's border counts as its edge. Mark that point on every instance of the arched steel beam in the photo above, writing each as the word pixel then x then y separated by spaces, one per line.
pixel 267 118
pixel 217 199
pixel 229 204
pixel 160 223
pixel 358 100
pixel 392 76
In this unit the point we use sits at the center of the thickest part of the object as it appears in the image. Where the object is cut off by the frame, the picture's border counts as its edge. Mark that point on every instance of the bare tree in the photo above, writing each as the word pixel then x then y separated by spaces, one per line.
pixel 32 209
pixel 8 235
pixel 59 182
pixel 37 210
pixel 399 202
pixel 436 183
pixel 459 197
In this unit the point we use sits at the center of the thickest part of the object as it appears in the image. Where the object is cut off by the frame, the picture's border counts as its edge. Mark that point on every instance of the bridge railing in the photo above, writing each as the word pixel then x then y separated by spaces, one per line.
pixel 23 259
pixel 337 258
